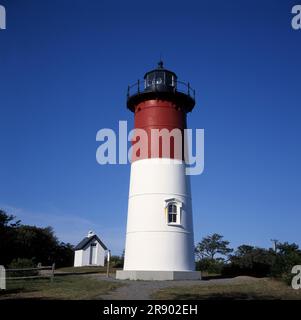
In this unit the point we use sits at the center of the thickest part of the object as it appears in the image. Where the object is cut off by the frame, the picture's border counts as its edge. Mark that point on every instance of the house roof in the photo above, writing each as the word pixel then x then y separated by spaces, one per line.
pixel 87 240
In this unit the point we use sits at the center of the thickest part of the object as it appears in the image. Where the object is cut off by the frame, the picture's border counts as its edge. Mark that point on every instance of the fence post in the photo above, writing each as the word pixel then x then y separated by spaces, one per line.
pixel 2 278
pixel 52 272
pixel 38 268
pixel 108 263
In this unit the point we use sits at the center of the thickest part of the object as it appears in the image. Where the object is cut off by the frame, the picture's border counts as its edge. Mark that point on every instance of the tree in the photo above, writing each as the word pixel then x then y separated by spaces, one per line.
pixel 117 261
pixel 8 230
pixel 243 250
pixel 6 220
pixel 39 244
pixel 63 255
pixel 288 255
pixel 261 262
pixel 23 242
pixel 211 246
pixel 249 260
pixel 286 248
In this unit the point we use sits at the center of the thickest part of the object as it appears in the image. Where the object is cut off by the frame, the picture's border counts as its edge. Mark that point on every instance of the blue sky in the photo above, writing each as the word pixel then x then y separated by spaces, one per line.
pixel 64 69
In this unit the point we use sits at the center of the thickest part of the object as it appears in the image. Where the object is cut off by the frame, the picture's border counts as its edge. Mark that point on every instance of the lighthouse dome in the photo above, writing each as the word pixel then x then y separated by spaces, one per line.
pixel 163 84
pixel 160 79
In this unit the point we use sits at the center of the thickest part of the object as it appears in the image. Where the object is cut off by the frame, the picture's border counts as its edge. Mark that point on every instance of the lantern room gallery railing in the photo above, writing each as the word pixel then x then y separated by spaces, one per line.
pixel 179 86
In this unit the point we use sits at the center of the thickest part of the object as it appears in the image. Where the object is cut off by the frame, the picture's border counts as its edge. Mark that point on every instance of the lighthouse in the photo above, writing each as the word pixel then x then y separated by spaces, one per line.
pixel 159 236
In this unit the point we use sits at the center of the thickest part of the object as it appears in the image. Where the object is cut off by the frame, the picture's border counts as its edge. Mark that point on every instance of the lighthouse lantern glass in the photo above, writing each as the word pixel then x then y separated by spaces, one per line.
pixel 169 80
pixel 160 78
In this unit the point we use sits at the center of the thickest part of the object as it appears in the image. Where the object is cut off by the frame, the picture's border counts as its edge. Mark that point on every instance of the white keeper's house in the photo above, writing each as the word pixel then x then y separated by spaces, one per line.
pixel 91 251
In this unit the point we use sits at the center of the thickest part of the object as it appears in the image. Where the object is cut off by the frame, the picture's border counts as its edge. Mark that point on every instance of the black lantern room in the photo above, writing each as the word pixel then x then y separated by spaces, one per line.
pixel 161 83
pixel 160 79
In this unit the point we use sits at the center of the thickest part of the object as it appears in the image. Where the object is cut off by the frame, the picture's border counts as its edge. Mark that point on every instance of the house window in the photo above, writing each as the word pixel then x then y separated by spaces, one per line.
pixel 173 211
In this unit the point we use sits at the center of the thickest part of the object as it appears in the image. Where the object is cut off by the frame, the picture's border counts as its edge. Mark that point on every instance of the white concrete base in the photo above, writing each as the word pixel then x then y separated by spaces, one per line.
pixel 157 275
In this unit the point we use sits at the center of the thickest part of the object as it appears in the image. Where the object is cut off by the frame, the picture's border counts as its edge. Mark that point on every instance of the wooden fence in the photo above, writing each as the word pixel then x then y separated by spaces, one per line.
pixel 38 272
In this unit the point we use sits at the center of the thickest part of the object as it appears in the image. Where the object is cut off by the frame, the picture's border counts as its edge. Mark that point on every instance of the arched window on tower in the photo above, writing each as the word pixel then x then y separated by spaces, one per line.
pixel 173 211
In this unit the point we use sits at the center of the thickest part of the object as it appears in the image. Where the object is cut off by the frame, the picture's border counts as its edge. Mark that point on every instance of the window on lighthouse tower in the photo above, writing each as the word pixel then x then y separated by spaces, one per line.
pixel 173 211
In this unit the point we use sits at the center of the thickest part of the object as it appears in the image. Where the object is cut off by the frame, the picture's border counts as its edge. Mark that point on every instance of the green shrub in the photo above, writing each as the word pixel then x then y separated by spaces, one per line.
pixel 21 263
pixel 250 261
pixel 212 266
pixel 288 255
pixel 117 261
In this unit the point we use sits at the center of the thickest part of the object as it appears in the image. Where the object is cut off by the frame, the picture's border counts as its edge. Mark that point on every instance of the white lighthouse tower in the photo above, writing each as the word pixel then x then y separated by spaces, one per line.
pixel 159 238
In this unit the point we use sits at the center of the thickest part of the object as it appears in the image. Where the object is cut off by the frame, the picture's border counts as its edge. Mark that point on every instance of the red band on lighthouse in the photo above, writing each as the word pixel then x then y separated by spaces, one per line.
pixel 155 115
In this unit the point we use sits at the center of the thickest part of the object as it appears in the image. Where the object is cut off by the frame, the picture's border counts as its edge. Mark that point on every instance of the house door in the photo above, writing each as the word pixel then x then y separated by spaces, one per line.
pixel 92 253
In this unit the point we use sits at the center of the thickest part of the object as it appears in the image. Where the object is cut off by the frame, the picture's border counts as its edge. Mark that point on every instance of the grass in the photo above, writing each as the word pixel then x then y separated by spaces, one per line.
pixel 86 270
pixel 88 287
pixel 92 269
pixel 259 289
pixel 62 288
